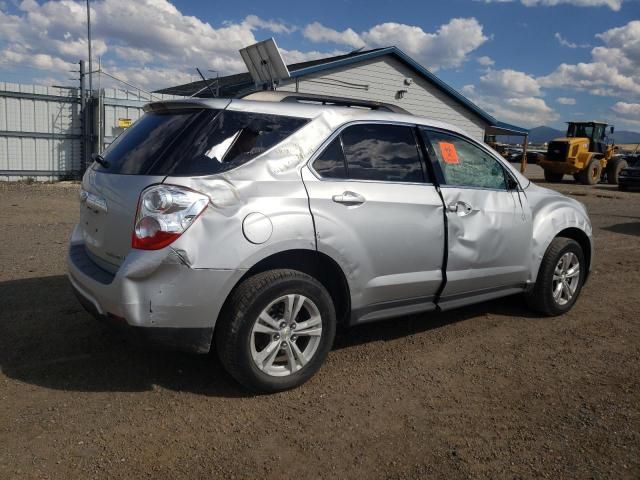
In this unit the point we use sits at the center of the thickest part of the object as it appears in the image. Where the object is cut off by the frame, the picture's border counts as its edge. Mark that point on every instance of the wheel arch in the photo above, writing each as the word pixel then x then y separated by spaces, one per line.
pixel 583 240
pixel 316 264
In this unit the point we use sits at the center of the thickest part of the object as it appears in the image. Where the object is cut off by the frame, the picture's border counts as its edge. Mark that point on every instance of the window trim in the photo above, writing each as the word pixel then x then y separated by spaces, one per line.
pixel 424 133
pixel 337 132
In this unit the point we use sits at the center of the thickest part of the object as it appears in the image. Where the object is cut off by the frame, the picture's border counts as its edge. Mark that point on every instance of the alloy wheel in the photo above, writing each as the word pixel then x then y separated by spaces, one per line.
pixel 566 278
pixel 286 335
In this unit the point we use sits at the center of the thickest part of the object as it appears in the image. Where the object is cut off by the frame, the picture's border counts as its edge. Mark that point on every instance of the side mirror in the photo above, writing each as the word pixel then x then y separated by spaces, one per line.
pixel 611 129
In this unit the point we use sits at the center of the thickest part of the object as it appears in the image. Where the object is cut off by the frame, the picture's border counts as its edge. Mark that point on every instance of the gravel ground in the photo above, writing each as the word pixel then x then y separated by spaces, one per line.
pixel 491 391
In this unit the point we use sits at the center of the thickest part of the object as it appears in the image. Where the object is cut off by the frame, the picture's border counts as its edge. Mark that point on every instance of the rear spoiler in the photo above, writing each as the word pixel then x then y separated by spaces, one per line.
pixel 167 105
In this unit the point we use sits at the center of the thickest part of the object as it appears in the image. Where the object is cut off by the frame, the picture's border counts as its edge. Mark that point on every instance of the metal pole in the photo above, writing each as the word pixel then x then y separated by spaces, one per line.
pixel 100 112
pixel 83 115
pixel 89 43
pixel 523 163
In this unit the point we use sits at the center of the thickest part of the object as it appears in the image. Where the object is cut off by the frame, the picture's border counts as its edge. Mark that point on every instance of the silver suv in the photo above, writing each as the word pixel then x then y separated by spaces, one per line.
pixel 261 224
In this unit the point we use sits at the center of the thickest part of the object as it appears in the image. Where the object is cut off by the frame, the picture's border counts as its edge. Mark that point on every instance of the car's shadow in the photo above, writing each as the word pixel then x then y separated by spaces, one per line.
pixel 629 228
pixel 47 339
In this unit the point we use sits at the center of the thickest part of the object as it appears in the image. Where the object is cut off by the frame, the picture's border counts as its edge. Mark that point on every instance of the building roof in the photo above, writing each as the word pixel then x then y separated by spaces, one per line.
pixel 234 85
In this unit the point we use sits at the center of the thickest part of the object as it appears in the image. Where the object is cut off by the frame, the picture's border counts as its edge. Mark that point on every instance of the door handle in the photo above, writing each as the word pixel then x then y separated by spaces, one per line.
pixel 349 198
pixel 462 209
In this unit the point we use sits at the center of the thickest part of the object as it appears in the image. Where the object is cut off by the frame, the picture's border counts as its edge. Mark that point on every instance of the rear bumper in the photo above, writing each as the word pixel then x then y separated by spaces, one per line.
pixel 154 296
pixel 195 340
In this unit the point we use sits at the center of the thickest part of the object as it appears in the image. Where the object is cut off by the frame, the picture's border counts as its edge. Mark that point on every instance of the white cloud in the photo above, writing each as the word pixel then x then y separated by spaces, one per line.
pixel 511 96
pixel 566 100
pixel 485 61
pixel 629 109
pixel 151 42
pixel 508 83
pixel 612 4
pixel 614 70
pixel 316 32
pixel 628 112
pixel 448 47
pixel 566 43
pixel 271 25
pixel 528 111
pixel 296 56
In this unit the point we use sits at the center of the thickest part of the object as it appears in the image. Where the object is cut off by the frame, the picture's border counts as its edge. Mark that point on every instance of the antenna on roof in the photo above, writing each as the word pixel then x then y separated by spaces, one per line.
pixel 207 84
pixel 357 50
pixel 265 64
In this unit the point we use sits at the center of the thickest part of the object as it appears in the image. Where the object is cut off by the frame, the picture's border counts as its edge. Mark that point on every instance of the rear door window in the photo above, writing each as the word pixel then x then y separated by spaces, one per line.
pixel 382 152
pixel 196 142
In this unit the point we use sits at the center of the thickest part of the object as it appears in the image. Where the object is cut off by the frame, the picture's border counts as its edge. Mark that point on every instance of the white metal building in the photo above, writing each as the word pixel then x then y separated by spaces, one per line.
pixel 383 75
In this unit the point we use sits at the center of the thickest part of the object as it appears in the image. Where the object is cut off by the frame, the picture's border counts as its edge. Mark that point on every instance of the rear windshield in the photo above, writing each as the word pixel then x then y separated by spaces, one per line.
pixel 195 142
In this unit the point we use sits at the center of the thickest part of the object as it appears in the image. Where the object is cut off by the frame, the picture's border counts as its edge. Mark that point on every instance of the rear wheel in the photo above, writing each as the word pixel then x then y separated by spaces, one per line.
pixel 614 167
pixel 553 177
pixel 560 278
pixel 276 330
pixel 591 174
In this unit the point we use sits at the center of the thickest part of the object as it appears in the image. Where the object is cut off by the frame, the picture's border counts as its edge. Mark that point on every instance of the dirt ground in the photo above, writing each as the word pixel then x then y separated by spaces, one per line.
pixel 491 391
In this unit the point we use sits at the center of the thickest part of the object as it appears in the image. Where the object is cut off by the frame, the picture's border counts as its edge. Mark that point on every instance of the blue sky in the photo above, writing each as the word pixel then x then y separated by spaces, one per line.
pixel 528 62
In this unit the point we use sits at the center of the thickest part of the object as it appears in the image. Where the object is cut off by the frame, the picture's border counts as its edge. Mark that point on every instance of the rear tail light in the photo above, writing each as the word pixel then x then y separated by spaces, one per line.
pixel 164 213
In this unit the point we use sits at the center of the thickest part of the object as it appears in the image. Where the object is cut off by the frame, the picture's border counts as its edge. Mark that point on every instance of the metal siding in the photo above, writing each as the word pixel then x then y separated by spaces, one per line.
pixel 26 114
pixel 384 76
pixel 21 111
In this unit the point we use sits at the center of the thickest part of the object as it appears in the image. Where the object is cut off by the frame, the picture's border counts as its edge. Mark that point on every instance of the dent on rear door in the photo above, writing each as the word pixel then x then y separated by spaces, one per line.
pixel 390 247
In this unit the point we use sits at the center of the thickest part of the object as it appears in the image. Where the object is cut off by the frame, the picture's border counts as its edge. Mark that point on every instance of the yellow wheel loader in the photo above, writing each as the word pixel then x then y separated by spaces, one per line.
pixel 583 153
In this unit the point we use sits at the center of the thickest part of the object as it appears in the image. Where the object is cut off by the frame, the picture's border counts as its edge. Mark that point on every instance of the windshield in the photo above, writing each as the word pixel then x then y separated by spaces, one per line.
pixel 195 142
pixel 580 130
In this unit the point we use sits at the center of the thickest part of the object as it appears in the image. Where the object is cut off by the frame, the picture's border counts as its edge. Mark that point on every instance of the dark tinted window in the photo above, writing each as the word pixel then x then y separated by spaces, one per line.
pixel 330 163
pixel 230 139
pixel 382 152
pixel 465 164
pixel 140 146
pixel 201 142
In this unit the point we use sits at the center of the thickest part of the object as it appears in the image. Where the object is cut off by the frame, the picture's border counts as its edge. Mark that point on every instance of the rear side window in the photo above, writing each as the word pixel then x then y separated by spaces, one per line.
pixel 372 152
pixel 464 164
pixel 204 142
pixel 136 150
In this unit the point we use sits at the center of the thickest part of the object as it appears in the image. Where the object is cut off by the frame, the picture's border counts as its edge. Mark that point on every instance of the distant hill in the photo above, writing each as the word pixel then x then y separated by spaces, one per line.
pixel 546 134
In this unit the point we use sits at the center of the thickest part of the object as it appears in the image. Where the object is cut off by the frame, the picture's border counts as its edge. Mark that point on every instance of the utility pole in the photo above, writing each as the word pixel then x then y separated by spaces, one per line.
pixel 84 115
pixel 89 43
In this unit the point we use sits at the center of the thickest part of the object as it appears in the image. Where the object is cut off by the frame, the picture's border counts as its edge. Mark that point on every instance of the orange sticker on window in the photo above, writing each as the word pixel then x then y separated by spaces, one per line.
pixel 449 153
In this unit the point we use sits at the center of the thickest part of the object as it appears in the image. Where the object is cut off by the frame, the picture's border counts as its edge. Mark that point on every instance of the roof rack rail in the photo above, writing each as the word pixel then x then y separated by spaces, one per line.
pixel 293 97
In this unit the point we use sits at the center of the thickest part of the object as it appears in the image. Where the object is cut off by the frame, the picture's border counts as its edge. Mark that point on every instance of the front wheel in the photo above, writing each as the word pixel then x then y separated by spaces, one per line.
pixel 591 174
pixel 614 167
pixel 560 278
pixel 276 330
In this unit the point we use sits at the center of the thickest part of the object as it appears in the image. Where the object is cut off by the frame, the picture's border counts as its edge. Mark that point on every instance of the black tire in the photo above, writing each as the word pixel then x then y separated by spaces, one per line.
pixel 591 174
pixel 614 167
pixel 553 177
pixel 623 188
pixel 540 297
pixel 233 335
